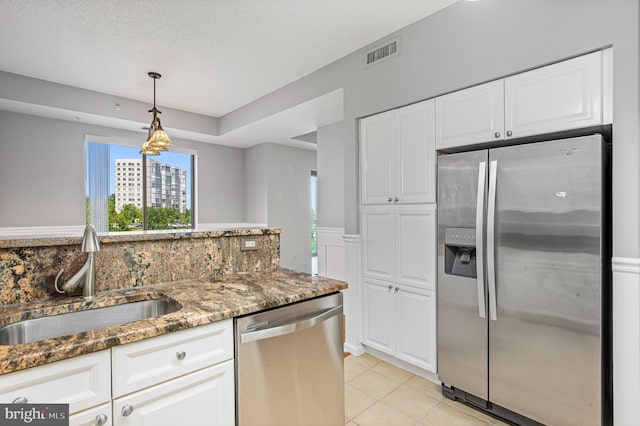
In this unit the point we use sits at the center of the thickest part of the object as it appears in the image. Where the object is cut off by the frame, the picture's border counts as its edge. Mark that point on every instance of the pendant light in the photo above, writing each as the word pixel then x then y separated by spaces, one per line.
pixel 157 138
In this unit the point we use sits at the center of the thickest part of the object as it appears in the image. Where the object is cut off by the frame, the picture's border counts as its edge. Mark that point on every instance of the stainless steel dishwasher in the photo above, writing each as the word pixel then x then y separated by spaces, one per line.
pixel 290 365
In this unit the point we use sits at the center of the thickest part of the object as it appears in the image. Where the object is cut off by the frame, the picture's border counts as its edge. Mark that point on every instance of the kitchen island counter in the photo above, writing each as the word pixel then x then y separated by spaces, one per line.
pixel 202 302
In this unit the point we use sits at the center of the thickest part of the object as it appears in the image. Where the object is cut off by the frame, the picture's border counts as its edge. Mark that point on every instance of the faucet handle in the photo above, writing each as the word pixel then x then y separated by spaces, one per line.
pixel 58 277
pixel 90 241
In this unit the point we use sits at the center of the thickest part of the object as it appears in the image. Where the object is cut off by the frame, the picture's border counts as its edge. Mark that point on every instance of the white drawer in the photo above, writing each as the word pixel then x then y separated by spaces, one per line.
pixel 81 382
pixel 148 362
pixel 204 397
pixel 90 417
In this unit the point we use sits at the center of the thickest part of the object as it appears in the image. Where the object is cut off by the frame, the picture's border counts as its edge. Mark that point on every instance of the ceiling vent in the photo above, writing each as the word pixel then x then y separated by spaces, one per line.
pixel 380 53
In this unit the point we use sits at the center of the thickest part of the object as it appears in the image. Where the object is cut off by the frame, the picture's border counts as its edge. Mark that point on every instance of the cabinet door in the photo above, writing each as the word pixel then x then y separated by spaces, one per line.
pixel 378 242
pixel 96 416
pixel 416 327
pixel 378 315
pixel 376 158
pixel 562 96
pixel 415 162
pixel 415 235
pixel 205 397
pixel 470 115
pixel 81 382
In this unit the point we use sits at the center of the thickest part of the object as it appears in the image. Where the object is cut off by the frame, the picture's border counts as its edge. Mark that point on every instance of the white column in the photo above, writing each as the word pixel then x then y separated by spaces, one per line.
pixel 626 341
pixel 353 295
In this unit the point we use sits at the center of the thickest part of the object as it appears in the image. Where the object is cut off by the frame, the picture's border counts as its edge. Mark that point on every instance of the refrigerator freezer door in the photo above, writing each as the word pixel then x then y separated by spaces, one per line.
pixel 462 332
pixel 545 346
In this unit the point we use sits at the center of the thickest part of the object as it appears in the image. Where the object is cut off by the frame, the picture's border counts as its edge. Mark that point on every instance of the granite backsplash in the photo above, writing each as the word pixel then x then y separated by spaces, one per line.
pixel 28 267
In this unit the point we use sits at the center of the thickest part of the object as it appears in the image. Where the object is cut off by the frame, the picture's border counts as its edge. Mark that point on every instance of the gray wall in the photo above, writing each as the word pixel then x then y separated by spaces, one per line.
pixel 331 176
pixel 472 42
pixel 289 203
pixel 255 190
pixel 283 174
pixel 42 173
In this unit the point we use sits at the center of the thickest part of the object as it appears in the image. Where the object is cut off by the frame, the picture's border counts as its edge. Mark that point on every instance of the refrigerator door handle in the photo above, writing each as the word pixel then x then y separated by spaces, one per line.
pixel 491 234
pixel 482 172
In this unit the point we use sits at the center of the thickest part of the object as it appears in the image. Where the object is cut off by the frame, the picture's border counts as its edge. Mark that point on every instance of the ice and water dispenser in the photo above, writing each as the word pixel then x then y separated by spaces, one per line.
pixel 460 252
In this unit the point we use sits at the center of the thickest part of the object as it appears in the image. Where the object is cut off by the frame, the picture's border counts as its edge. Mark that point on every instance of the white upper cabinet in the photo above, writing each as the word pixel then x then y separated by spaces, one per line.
pixel 415 160
pixel 376 153
pixel 398 155
pixel 562 96
pixel 469 116
pixel 572 94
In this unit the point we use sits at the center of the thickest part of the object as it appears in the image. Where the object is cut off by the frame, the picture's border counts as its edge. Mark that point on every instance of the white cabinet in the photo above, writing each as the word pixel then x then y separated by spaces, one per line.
pixel 562 96
pixel 378 325
pixel 81 382
pixel 566 95
pixel 400 321
pixel 399 244
pixel 151 361
pixel 378 242
pixel 172 379
pixel 471 115
pixel 185 377
pixel 204 397
pixel 96 416
pixel 416 327
pixel 397 155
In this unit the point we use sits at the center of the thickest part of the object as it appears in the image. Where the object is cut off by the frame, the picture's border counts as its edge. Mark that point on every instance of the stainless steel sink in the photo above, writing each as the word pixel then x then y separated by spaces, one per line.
pixel 33 330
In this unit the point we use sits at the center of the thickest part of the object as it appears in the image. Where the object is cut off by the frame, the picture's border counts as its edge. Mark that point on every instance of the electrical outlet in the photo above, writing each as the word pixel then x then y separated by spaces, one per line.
pixel 249 244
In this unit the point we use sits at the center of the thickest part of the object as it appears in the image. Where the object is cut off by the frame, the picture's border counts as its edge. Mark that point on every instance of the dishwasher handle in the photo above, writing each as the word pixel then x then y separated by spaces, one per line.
pixel 281 330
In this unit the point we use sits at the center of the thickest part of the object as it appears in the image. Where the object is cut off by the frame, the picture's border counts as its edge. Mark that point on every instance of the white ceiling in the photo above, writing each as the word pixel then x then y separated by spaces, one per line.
pixel 214 55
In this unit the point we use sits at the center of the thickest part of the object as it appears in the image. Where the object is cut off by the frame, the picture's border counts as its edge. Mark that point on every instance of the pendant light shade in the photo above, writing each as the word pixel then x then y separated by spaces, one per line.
pixel 157 138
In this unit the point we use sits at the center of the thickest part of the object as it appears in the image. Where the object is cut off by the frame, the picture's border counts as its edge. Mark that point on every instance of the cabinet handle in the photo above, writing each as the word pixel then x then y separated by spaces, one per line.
pixel 397 289
pixel 396 199
pixel 181 355
pixel 509 133
pixel 20 400
pixel 127 410
pixel 496 134
pixel 390 287
pixel 100 419
pixel 389 199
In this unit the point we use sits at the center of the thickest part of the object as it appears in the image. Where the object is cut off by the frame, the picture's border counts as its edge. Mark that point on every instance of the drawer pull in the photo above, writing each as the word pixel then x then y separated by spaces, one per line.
pixel 181 355
pixel 101 419
pixel 20 400
pixel 127 410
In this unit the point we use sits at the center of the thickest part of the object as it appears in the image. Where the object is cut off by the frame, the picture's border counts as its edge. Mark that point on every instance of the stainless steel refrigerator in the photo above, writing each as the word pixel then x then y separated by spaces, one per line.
pixel 523 281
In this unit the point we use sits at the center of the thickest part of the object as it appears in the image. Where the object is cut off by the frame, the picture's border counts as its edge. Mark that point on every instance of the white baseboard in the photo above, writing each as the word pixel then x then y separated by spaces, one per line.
pixel 433 377
pixel 356 350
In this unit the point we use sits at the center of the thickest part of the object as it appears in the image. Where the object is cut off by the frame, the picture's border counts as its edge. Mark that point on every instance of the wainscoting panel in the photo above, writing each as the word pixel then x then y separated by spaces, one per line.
pixel 331 253
pixel 626 341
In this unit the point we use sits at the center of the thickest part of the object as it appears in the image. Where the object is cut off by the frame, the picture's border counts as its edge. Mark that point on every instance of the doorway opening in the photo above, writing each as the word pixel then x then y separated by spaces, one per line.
pixel 314 222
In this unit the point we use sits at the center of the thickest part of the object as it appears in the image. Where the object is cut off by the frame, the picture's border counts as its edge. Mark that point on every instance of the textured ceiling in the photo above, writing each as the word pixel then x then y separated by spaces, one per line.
pixel 214 55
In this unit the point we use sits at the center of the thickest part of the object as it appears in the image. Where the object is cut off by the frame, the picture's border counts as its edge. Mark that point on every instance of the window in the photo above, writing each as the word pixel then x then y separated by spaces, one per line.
pixel 151 201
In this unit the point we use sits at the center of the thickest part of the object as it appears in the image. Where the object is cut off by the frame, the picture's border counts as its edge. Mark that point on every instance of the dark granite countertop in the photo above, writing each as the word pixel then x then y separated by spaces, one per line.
pixel 202 301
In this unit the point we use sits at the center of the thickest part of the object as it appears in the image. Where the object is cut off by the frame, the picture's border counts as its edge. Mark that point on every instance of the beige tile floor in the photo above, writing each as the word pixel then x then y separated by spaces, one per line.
pixel 378 393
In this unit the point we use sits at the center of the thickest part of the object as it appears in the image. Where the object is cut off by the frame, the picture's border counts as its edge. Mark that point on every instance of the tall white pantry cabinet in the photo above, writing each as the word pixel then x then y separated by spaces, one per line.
pixel 398 172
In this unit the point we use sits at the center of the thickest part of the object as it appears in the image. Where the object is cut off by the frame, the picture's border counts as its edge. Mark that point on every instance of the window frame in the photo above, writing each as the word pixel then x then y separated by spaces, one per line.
pixel 137 144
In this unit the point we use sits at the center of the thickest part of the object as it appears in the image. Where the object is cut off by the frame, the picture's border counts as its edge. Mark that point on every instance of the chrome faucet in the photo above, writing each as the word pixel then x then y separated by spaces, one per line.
pixel 86 276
